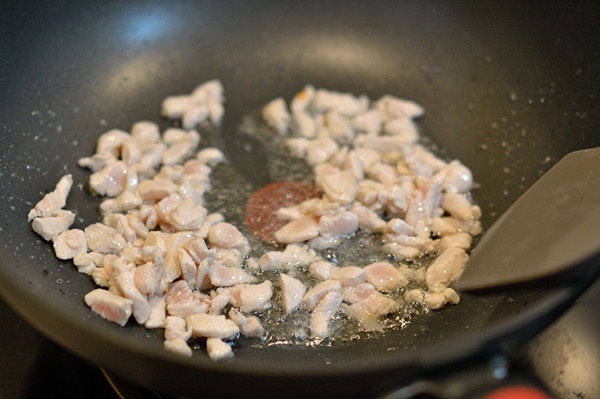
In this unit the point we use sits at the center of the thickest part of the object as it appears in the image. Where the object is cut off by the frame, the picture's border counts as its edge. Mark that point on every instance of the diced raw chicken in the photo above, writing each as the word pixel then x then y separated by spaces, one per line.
pixel 111 142
pixel 110 180
pixel 385 277
pixel 219 301
pixel 147 277
pixel 182 149
pixel 173 107
pixel 187 265
pixel 437 300
pixel 226 276
pixel 292 291
pixel 349 275
pixel 226 235
pixel 344 103
pixel 297 231
pixel 125 283
pixel 210 156
pixel 276 115
pixel 176 327
pixel 181 301
pixel 297 146
pixel 53 201
pixel 145 133
pixel 458 206
pixel 51 226
pixel 321 270
pixel 178 346
pixel 108 305
pixel 187 215
pixel 359 292
pixel 458 178
pixel 156 189
pixel 86 262
pixel 324 312
pixel 338 185
pixel 446 269
pixel 69 243
pixel 218 350
pixel 367 219
pixel 212 326
pixel 402 127
pixel 320 150
pixel 97 161
pixel 314 295
pixel 459 240
pixel 394 107
pixel 158 312
pixel 250 326
pixel 124 202
pixel 368 311
pixel 369 121
pixel 250 297
pixel 104 239
pixel 339 224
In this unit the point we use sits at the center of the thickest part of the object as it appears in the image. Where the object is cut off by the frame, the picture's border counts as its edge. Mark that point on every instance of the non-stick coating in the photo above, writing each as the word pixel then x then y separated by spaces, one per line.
pixel 508 88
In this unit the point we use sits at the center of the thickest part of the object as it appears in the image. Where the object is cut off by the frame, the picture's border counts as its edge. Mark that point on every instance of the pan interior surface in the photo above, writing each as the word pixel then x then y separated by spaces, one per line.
pixel 503 92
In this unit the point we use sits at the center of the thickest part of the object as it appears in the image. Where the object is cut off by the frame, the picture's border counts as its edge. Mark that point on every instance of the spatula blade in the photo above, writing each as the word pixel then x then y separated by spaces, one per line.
pixel 553 226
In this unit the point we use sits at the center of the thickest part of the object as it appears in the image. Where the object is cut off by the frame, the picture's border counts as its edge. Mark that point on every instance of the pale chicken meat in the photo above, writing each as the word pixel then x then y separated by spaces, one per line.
pixel 54 200
pixel 292 291
pixel 165 260
pixel 51 226
pixel 323 313
pixel 110 306
pixel 69 244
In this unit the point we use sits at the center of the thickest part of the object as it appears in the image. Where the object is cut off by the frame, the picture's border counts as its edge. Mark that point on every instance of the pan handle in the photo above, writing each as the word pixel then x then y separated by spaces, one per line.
pixel 489 380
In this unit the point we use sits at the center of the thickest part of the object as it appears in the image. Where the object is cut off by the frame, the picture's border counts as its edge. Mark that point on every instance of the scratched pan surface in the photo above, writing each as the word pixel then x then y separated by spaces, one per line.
pixel 508 87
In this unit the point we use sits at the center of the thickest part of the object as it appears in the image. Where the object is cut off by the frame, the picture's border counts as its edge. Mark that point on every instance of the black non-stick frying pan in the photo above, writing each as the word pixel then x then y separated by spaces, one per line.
pixel 509 87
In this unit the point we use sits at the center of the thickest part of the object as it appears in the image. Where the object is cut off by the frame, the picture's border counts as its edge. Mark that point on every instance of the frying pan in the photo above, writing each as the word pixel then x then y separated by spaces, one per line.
pixel 509 88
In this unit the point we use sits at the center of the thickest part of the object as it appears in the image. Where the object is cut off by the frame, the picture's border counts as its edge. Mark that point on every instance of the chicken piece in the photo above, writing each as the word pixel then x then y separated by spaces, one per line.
pixel 187 215
pixel 321 269
pixel 104 239
pixel 226 235
pixel 458 178
pixel 219 301
pixel 125 283
pixel 51 226
pixel 218 350
pixel 343 103
pixel 156 189
pixel 182 148
pixel 212 326
pixel 292 291
pixel 109 306
pixel 291 257
pixel 324 312
pixel 368 311
pixel 250 297
pixel 147 277
pixel 338 185
pixel 297 231
pixel 172 243
pixel 55 200
pixel 399 226
pixel 349 275
pixel 297 146
pixel 69 243
pixel 401 251
pixel 126 201
pixel 446 269
pixel 250 326
pixel 359 292
pixel 158 312
pixel 339 127
pixel 416 295
pixel 276 115
pixel 110 180
pixel 394 107
pixel 459 240
pixel 367 219
pixel 111 142
pixel 458 206
pixel 320 150
pixel 86 262
pixel 178 346
pixel 369 121
pixel 385 277
pixel 188 266
pixel 97 162
pixel 176 327
pixel 181 301
pixel 437 300
pixel 145 133
pixel 194 114
pixel 173 107
pixel 342 224
pixel 314 295
pixel 226 276
pixel 210 156
pixel 404 128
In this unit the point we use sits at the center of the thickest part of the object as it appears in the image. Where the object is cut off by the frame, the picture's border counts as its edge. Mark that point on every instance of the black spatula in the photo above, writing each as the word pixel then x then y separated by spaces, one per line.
pixel 553 227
